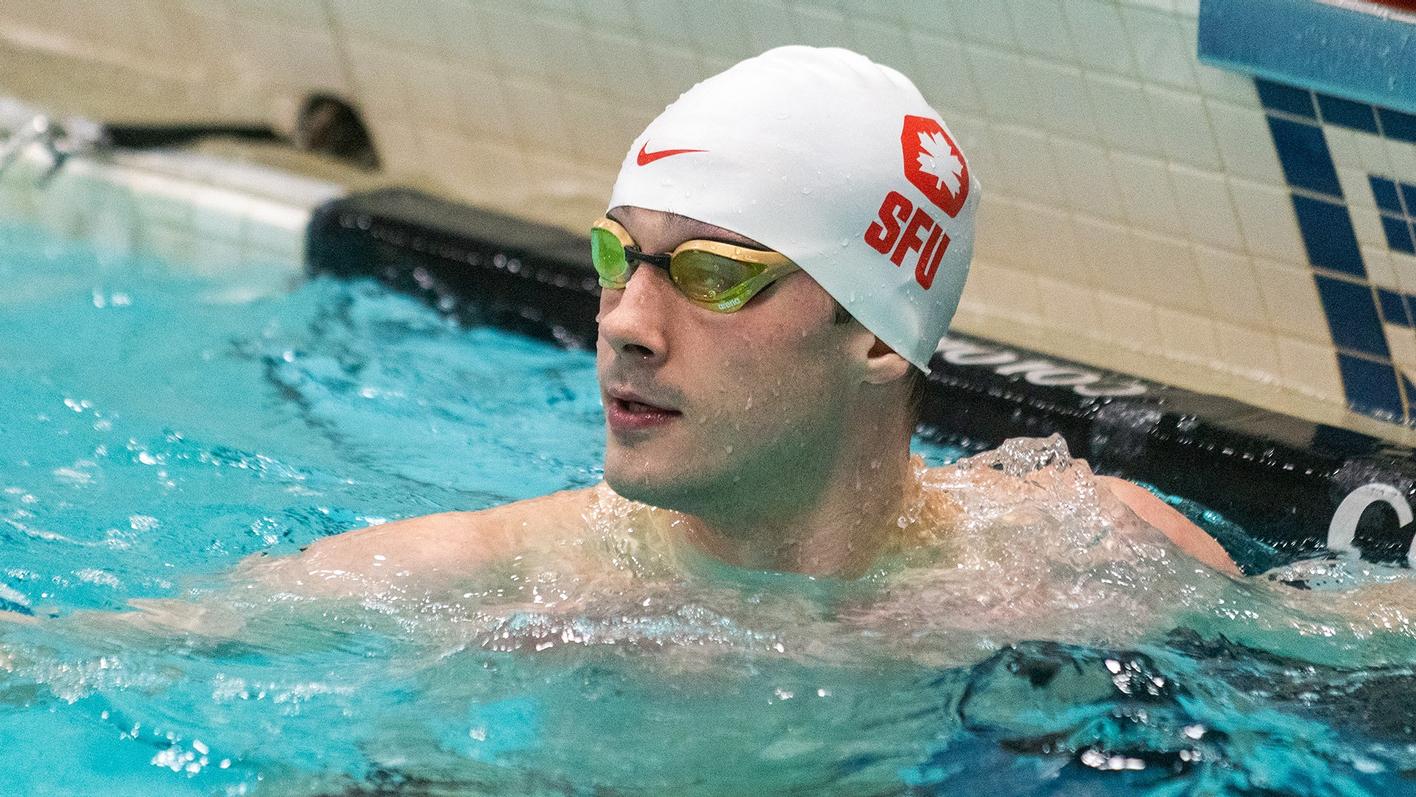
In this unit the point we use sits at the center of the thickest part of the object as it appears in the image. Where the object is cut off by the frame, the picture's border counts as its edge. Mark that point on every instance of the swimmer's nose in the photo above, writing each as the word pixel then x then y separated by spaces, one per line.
pixel 633 320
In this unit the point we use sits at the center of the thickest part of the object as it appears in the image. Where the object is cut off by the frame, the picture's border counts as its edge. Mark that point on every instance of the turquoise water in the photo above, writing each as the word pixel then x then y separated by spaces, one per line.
pixel 157 429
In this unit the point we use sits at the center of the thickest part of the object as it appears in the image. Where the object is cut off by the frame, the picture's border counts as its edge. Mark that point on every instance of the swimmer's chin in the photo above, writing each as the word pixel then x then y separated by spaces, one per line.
pixel 661 493
pixel 638 489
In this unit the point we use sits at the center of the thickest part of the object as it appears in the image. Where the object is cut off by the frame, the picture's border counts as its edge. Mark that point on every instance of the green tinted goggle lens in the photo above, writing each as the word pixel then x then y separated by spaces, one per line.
pixel 706 277
pixel 607 253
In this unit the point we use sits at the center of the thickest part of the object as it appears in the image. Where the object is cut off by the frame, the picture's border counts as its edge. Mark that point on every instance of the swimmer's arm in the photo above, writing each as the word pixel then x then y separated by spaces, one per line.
pixel 361 562
pixel 1186 535
pixel 446 544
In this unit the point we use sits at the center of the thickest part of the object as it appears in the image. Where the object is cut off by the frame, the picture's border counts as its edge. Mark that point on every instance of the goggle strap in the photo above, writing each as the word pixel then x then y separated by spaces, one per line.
pixel 633 254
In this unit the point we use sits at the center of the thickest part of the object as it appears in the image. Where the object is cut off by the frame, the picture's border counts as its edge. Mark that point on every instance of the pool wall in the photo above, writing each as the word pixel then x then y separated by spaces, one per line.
pixel 1148 211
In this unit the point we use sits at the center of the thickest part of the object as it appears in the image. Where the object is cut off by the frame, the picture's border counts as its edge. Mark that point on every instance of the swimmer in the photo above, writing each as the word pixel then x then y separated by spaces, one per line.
pixel 782 252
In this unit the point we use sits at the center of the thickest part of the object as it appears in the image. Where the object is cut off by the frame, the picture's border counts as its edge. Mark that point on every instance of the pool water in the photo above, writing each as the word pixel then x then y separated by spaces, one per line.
pixel 158 428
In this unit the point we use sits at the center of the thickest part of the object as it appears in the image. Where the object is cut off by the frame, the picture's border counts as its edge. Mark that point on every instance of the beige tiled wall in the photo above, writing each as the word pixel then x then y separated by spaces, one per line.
pixel 1135 212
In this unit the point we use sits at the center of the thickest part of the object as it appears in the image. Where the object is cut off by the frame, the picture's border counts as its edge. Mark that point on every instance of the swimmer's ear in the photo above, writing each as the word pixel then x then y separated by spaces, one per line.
pixel 883 365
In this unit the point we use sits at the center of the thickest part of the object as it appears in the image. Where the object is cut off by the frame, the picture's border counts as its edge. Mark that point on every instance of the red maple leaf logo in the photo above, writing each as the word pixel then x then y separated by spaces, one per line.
pixel 934 164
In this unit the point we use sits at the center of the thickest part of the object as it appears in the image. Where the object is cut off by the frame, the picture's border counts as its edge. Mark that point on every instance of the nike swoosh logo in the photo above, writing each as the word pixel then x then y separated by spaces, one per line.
pixel 646 157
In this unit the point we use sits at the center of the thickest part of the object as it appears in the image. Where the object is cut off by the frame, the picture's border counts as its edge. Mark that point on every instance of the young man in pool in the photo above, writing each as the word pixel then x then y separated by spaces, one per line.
pixel 784 248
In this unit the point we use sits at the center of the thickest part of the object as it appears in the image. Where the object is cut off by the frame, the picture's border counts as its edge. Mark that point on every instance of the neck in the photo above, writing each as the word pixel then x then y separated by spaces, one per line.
pixel 835 524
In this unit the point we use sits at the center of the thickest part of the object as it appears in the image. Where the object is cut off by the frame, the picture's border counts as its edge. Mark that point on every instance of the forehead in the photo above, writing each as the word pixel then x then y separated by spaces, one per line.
pixel 657 231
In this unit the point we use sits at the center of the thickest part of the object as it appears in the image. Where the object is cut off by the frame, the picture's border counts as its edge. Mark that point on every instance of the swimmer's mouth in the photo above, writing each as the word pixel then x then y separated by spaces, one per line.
pixel 626 410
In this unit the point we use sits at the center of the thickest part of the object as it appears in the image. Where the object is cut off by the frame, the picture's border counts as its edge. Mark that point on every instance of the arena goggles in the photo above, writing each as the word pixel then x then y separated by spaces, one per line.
pixel 718 276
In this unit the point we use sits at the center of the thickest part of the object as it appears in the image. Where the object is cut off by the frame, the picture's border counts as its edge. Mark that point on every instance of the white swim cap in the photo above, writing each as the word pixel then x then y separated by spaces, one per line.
pixel 833 160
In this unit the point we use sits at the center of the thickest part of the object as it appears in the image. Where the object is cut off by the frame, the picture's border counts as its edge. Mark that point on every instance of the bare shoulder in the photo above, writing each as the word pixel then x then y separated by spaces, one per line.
pixel 1186 535
pixel 447 541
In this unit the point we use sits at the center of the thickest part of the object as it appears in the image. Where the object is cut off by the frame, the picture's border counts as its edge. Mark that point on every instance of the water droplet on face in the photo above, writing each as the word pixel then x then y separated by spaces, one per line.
pixel 727 449
pixel 748 406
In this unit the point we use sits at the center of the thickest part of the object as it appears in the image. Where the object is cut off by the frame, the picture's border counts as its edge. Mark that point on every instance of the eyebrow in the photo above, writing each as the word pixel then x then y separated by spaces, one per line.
pixel 744 242
pixel 705 233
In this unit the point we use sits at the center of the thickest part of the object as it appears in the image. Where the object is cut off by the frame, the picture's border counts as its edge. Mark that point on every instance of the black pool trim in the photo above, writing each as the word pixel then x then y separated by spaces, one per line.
pixel 153 136
pixel 1279 477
